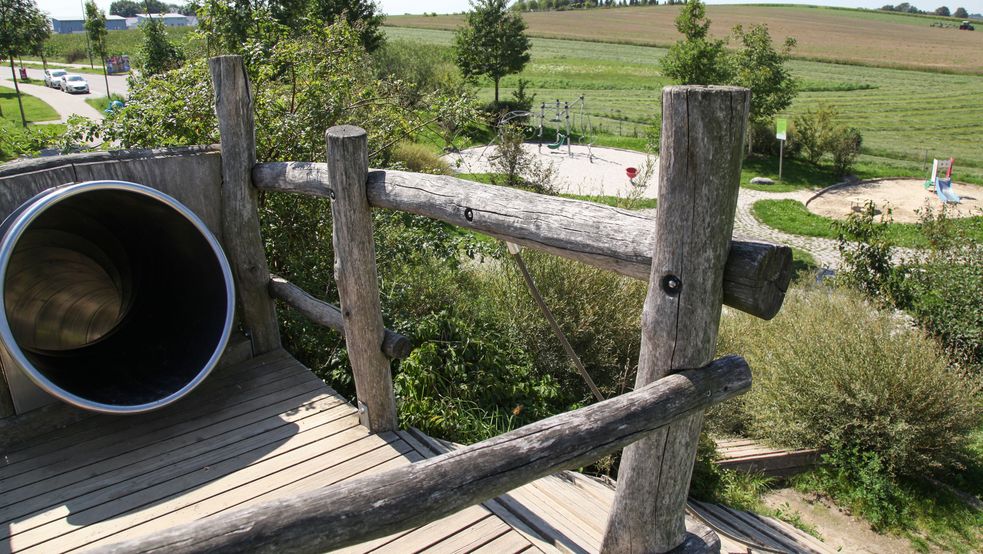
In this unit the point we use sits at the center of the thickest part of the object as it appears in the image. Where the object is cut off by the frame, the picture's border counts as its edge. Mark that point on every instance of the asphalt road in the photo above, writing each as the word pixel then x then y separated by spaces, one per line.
pixel 68 104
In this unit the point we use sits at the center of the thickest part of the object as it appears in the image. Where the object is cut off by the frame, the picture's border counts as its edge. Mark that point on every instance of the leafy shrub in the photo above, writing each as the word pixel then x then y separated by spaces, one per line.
pixel 859 480
pixel 867 263
pixel 831 370
pixel 419 158
pixel 940 287
pixel 819 134
pixel 763 140
pixel 517 166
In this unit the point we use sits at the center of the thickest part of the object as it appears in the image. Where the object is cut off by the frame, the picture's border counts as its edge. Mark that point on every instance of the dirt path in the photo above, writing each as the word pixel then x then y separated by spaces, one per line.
pixel 839 530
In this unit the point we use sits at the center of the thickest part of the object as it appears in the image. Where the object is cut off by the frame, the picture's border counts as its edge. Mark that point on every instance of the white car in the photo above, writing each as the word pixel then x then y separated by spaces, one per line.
pixel 54 77
pixel 74 83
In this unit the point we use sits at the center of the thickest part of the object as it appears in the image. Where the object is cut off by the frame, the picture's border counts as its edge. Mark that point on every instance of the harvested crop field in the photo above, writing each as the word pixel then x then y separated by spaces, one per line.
pixel 828 34
pixel 904 197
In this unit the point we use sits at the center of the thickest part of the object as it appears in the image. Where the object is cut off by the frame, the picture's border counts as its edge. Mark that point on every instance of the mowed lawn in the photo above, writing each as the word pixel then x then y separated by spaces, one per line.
pixel 829 34
pixel 34 108
pixel 902 114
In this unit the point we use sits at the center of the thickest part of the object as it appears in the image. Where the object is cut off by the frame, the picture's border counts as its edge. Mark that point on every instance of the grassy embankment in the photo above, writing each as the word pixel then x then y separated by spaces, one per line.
pixel 906 117
pixel 35 109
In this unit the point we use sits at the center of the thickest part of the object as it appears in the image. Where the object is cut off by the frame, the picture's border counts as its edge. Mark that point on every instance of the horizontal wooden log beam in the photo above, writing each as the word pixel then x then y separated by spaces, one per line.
pixel 394 345
pixel 756 276
pixel 370 507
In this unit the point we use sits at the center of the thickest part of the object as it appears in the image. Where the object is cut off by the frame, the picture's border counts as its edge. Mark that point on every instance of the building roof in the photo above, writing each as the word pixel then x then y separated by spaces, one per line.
pixel 115 17
pixel 167 15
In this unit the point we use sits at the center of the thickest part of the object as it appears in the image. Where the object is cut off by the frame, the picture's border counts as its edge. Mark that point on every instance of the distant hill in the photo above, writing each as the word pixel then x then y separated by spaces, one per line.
pixel 864 37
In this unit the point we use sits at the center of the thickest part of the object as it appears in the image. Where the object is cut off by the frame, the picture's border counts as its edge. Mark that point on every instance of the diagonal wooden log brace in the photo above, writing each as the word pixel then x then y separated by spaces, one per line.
pixel 700 166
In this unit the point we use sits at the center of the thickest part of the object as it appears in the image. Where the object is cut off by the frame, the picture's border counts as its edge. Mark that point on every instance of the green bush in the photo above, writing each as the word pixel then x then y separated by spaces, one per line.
pixel 941 287
pixel 818 133
pixel 831 370
pixel 419 158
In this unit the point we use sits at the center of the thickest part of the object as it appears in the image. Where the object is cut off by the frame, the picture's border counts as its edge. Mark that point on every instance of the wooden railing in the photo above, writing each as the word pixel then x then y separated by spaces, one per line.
pixel 756 275
pixel 378 505
pixel 685 253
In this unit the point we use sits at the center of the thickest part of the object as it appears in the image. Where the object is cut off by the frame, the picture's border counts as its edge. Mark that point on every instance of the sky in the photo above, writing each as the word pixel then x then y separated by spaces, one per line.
pixel 73 8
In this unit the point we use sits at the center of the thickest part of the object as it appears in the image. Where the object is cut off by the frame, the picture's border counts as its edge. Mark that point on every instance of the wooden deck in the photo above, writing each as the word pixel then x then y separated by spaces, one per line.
pixel 748 455
pixel 255 431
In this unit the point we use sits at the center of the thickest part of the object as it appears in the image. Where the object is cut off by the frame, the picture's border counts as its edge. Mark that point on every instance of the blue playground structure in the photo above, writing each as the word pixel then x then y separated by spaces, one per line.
pixel 943 185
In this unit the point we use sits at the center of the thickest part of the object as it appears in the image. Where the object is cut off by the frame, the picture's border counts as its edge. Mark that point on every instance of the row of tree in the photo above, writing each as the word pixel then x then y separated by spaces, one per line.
pixel 905 7
pixel 544 5
pixel 130 8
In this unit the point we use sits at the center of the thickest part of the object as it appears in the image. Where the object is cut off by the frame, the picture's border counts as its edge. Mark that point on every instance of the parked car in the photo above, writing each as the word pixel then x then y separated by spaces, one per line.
pixel 74 83
pixel 54 77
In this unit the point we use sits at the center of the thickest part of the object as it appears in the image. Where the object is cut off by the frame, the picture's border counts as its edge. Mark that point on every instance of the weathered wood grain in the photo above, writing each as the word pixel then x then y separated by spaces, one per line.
pixel 755 279
pixel 394 345
pixel 240 219
pixel 357 278
pixel 699 177
pixel 375 506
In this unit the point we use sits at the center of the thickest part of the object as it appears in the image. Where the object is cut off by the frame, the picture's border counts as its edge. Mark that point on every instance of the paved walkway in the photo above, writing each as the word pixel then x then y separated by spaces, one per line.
pixel 63 103
pixel 824 250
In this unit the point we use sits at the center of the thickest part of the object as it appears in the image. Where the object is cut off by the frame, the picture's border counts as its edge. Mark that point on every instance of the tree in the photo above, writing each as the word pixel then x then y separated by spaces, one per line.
pixel 37 34
pixel 125 8
pixel 159 53
pixel 698 59
pixel 18 19
pixel 493 42
pixel 95 28
pixel 362 15
pixel 761 68
pixel 961 13
pixel 943 11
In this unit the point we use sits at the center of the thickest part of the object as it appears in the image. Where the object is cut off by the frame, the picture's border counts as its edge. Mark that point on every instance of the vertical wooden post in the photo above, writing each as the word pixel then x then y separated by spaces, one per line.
pixel 355 273
pixel 240 218
pixel 699 178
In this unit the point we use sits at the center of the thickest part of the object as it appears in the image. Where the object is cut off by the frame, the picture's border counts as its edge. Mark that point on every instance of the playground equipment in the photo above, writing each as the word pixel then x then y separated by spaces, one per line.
pixel 942 186
pixel 98 276
pixel 578 121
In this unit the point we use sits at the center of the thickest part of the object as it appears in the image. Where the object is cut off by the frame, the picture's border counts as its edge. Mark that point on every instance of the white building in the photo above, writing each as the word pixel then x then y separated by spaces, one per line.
pixel 170 19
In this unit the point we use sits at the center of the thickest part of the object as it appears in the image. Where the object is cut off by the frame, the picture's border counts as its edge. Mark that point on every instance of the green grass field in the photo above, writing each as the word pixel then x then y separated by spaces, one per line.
pixel 906 117
pixel 35 109
pixel 858 37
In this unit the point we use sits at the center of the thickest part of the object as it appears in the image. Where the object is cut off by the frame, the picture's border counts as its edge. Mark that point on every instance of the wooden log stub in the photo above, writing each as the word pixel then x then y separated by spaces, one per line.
pixel 394 345
pixel 357 277
pixel 699 178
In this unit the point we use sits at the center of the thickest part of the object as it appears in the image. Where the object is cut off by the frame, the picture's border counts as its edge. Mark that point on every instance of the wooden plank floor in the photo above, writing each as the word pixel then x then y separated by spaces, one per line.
pixel 252 432
pixel 742 454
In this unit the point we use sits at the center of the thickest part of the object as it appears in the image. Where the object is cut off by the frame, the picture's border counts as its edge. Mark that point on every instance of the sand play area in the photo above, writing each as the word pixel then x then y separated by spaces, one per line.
pixel 902 196
pixel 577 174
